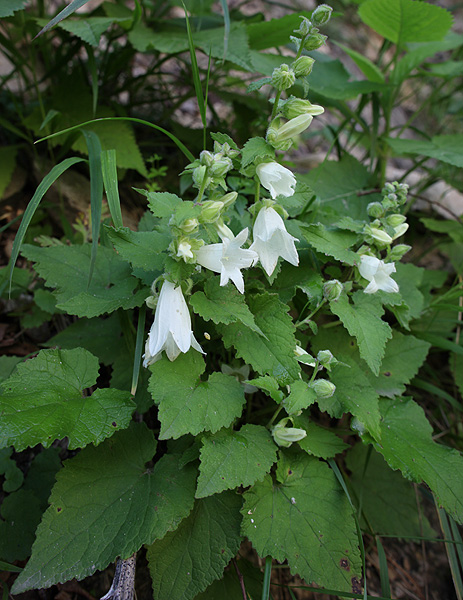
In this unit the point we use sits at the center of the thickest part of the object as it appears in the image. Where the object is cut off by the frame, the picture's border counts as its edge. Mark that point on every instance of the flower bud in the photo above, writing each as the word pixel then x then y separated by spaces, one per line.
pixel 211 211
pixel 375 210
pixel 272 136
pixel 323 388
pixel 396 220
pixel 400 230
pixel 314 41
pixel 189 225
pixel 321 14
pixel 377 234
pixel 229 199
pixel 304 357
pixel 293 127
pixel 303 66
pixel 184 250
pixel 304 27
pixel 283 77
pixel 332 289
pixel 201 177
pixel 296 107
pixel 285 436
pixel 326 359
pixel 221 167
pixel 206 158
pixel 398 251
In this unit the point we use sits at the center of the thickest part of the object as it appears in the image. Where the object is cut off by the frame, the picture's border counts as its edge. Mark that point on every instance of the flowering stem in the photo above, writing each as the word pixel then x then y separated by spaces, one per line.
pixel 315 371
pixel 275 415
pixel 275 106
pixel 257 194
pixel 201 191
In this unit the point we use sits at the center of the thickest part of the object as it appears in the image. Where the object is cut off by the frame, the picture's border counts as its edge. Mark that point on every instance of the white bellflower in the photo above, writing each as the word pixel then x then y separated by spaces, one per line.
pixel 377 273
pixel 275 178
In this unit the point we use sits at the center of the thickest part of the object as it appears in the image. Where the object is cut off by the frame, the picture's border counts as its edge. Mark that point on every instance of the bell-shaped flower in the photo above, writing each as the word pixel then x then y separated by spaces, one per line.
pixel 271 240
pixel 228 258
pixel 275 178
pixel 171 330
pixel 378 274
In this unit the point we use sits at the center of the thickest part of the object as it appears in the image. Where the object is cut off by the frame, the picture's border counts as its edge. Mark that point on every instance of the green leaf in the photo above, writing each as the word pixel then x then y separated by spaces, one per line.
pixel 276 32
pixel 66 268
pixel 407 444
pixel 269 385
pixel 362 319
pixel 334 242
pixel 319 441
pixel 89 29
pixel 233 458
pixel 143 249
pixel 270 355
pixel 369 69
pixel 190 558
pixel 222 304
pixel 47 392
pixel 300 397
pixel 109 172
pixel 254 148
pixel 13 476
pixel 7 366
pixel 447 148
pixel 331 79
pixel 305 519
pixel 389 503
pixel 229 586
pixel 69 10
pixel 402 21
pixel 9 7
pixel 189 405
pixel 106 503
pixel 163 204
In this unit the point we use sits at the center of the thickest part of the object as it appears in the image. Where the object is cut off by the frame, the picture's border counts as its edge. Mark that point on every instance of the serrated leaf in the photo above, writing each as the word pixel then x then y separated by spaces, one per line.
pixel 306 520
pixel 256 85
pixel 362 319
pixel 402 21
pixel 319 441
pixel 407 444
pixel 300 397
pixel 273 354
pixel 9 7
pixel 162 204
pixel 334 242
pixel 143 249
pixel 189 405
pixel 254 148
pixel 389 502
pixel 232 458
pixel 88 29
pixel 270 385
pixel 446 148
pixel 190 558
pixel 332 80
pixel 42 401
pixel 368 68
pixel 66 268
pixel 222 304
pixel 106 503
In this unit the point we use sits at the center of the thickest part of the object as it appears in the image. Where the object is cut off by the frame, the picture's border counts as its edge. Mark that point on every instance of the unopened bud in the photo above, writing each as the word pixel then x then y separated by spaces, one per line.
pixel 323 388
pixel 400 230
pixel 314 41
pixel 229 199
pixel 375 210
pixel 211 211
pixel 296 107
pixel 326 359
pixel 221 167
pixel 294 127
pixel 200 176
pixel 332 289
pixel 304 27
pixel 304 357
pixel 285 436
pixel 283 77
pixel 189 225
pixel 377 234
pixel 321 14
pixel 398 251
pixel 206 158
pixel 303 66
pixel 396 220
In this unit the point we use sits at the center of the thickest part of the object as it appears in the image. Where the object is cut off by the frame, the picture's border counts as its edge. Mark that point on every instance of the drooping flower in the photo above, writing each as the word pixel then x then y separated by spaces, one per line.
pixel 275 178
pixel 228 258
pixel 377 273
pixel 271 240
pixel 171 330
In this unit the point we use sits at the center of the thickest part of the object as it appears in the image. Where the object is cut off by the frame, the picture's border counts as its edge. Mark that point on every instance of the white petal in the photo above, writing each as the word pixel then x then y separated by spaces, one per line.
pixel 368 266
pixel 210 257
pixel 371 288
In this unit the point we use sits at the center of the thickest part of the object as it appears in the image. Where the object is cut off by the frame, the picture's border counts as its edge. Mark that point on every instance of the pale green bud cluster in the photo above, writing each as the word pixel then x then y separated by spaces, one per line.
pixel 285 436
pixel 332 289
pixel 303 66
pixel 283 77
pixel 326 359
pixel 385 228
pixel 323 388
pixel 321 15
pixel 297 107
pixel 308 36
pixel 226 150
pixel 281 136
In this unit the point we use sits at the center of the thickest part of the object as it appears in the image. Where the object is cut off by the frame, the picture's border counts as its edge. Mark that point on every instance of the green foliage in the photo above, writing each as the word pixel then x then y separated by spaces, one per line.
pixel 446 148
pixel 47 391
pixel 143 249
pixel 305 519
pixel 187 560
pixel 332 243
pixel 109 494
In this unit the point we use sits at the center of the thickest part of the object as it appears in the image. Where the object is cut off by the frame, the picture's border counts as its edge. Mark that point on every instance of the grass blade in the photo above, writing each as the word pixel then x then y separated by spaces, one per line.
pixel 96 191
pixel 195 69
pixel 267 578
pixel 451 554
pixel 109 171
pixel 4 566
pixel 93 77
pixel 226 20
pixel 40 192
pixel 70 8
pixel 176 141
pixel 138 348
pixel 383 572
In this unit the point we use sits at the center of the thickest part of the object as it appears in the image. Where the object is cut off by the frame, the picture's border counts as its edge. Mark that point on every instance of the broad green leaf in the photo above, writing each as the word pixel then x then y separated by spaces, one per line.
pixel 368 68
pixel 189 405
pixel 254 148
pixel 362 319
pixel 7 366
pixel 101 337
pixel 190 558
pixel 276 32
pixel 43 401
pixel 66 268
pixel 300 397
pixel 402 21
pixel 305 519
pixel 233 458
pixel 229 586
pixel 407 444
pixel 163 204
pixel 222 304
pixel 332 80
pixel 447 148
pixel 300 201
pixel 68 10
pixel 409 277
pixel 88 29
pixel 8 162
pixel 107 503
pixel 143 249
pixel 9 7
pixel 304 277
pixel 332 242
pixel 319 441
pixel 389 502
pixel 270 355
pixel 269 385
pixel 12 474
